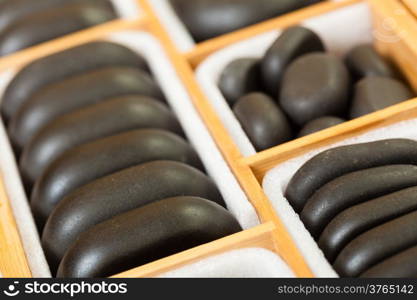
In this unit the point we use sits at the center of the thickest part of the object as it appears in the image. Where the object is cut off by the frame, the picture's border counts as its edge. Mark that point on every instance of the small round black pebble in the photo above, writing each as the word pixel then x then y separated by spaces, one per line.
pixel 292 43
pixel 313 86
pixel 262 120
pixel 375 93
pixel 240 77
pixel 365 61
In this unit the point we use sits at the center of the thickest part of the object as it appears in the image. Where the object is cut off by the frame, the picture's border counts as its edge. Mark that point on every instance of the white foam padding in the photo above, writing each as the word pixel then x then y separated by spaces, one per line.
pixel 341 30
pixel 174 26
pixel 127 9
pixel 197 133
pixel 242 263
pixel 18 200
pixel 277 179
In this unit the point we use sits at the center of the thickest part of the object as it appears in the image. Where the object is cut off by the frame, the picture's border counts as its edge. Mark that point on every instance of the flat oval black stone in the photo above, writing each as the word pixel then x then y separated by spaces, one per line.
pixel 62 65
pixel 360 218
pixel 291 44
pixel 313 86
pixel 320 124
pixel 75 93
pixel 365 61
pixel 376 93
pixel 401 265
pixel 262 120
pixel 338 161
pixel 100 158
pixel 240 77
pixel 207 19
pixel 354 188
pixel 146 234
pixel 376 245
pixel 12 11
pixel 50 24
pixel 91 123
pixel 117 193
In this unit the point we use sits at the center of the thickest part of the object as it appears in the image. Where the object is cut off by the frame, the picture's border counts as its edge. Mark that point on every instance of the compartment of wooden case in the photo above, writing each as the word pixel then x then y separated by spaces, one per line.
pixel 399 121
pixel 166 76
pixel 332 27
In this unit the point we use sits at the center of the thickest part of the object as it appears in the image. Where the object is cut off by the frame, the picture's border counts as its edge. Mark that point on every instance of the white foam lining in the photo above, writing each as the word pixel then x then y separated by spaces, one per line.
pixel 174 26
pixel 18 201
pixel 127 9
pixel 277 179
pixel 242 263
pixel 341 30
pixel 197 133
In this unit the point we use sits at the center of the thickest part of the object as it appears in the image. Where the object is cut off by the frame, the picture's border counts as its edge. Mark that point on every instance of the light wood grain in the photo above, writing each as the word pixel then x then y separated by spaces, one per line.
pixel 412 5
pixel 257 237
pixel 204 49
pixel 13 262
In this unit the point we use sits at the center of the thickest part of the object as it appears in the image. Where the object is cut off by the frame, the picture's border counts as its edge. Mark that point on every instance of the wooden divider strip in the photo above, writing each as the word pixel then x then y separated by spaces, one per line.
pixel 264 161
pixel 412 5
pixel 13 262
pixel 27 55
pixel 259 236
pixel 202 50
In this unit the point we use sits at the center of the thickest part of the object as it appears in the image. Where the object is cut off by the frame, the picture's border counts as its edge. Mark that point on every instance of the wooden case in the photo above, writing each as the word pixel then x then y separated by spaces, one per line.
pixel 13 261
pixel 249 171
